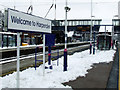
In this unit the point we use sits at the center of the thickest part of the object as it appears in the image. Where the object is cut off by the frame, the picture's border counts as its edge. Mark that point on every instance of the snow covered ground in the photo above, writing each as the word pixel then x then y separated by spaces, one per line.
pixel 78 64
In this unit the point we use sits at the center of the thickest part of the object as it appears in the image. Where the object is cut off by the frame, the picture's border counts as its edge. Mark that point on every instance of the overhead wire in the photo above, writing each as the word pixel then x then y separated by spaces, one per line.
pixel 44 3
pixel 49 9
pixel 3 5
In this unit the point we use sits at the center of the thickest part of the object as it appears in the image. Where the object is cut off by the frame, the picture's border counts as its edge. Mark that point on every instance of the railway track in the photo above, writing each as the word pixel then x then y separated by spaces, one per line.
pixel 26 50
pixel 26 61
pixel 7 56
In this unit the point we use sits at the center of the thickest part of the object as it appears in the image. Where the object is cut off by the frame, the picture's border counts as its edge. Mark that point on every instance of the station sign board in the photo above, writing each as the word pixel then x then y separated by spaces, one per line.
pixel 49 40
pixel 20 21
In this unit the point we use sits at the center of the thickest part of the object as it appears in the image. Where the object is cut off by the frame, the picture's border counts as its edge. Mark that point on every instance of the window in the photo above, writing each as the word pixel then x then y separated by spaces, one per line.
pixel 11 41
pixel 4 40
pixel 81 22
pixel 117 23
pixel 74 23
pixel 70 23
pixel 85 22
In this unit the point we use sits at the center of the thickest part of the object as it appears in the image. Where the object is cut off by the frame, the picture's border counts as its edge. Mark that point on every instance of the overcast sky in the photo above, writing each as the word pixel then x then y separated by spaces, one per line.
pixel 80 9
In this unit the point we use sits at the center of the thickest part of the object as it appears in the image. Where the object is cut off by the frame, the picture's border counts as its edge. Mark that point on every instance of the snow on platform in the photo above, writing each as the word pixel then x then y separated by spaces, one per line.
pixel 78 64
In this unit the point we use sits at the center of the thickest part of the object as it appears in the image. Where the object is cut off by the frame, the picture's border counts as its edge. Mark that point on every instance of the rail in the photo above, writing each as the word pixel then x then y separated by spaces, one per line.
pixel 29 61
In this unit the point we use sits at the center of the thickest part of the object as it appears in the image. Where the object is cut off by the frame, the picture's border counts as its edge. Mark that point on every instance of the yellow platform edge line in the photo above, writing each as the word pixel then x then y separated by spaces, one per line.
pixel 119 72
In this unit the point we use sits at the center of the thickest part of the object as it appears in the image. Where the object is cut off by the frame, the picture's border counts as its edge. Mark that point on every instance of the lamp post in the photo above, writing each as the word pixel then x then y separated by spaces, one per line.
pixel 55 9
pixel 91 31
pixel 105 39
pixel 65 50
pixel 93 37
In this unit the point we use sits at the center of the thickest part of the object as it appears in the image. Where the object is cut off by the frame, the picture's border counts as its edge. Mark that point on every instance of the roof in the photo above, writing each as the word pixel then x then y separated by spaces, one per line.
pixel 103 35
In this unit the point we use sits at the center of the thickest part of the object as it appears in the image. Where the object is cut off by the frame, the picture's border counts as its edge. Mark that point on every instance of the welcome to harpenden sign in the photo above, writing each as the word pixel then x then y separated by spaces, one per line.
pixel 24 22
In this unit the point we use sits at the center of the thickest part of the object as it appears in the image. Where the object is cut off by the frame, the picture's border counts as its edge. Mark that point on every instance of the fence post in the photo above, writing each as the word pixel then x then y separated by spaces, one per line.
pixel 35 57
pixel 58 57
pixel 49 55
pixel 94 43
pixel 90 47
pixel 65 59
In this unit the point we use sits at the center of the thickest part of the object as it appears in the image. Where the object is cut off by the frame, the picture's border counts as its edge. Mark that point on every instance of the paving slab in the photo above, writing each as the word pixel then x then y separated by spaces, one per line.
pixel 97 77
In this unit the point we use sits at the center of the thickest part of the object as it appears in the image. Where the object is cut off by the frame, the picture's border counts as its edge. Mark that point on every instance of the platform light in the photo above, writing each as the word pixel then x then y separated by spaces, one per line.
pixel 67 9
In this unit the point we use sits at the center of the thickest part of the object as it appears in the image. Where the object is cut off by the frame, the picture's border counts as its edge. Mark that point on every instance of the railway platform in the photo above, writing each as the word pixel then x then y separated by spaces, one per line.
pixel 104 76
pixel 101 76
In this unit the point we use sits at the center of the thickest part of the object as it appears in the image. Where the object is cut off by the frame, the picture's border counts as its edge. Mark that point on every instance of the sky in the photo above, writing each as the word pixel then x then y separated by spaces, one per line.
pixel 80 9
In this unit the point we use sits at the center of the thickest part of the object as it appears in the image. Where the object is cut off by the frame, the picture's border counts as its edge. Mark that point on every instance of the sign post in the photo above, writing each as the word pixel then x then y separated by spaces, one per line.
pixel 22 22
pixel 49 55
pixel 43 54
pixel 49 41
pixel 18 60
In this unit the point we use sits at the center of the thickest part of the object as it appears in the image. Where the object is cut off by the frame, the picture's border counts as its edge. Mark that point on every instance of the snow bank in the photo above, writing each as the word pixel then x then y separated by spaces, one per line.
pixel 78 64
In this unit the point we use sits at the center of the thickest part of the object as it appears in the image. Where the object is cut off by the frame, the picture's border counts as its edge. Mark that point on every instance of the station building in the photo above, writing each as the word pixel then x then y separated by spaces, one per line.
pixel 79 27
pixel 116 24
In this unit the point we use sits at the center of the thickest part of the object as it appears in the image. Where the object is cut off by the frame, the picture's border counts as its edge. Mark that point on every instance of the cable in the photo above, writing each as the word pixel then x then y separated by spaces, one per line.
pixel 3 5
pixel 49 9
